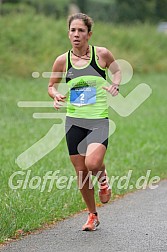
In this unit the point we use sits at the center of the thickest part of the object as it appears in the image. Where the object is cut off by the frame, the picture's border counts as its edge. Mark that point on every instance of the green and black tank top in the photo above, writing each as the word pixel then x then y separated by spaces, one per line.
pixel 87 99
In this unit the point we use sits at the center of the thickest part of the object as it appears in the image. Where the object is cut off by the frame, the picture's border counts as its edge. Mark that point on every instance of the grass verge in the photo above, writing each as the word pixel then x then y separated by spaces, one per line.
pixel 138 144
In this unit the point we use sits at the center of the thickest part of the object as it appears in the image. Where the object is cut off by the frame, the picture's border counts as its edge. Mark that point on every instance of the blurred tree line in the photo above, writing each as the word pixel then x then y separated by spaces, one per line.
pixel 120 11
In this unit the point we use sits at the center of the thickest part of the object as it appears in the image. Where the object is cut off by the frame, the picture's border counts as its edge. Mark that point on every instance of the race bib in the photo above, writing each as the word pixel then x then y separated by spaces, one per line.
pixel 83 96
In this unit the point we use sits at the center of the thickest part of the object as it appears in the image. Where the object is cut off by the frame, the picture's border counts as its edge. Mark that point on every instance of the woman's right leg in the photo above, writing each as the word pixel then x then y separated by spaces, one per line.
pixel 84 181
pixel 74 135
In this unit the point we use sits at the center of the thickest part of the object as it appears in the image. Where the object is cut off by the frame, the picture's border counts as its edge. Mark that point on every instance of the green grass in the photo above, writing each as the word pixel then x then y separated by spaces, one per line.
pixel 31 44
pixel 138 144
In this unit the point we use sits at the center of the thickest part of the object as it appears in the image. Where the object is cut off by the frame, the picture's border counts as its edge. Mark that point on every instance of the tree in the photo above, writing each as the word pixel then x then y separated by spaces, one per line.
pixel 132 10
pixel 161 9
pixel 82 4
pixel 11 1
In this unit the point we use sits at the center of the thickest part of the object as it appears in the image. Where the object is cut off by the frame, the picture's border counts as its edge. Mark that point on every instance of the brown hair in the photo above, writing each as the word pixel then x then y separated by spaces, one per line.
pixel 86 19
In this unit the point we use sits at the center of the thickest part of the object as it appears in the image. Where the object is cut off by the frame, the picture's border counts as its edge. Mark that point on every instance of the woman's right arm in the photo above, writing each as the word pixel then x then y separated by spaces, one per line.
pixel 57 73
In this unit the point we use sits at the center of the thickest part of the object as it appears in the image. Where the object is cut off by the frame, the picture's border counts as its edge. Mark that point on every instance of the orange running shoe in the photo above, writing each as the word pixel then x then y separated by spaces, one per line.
pixel 91 223
pixel 104 192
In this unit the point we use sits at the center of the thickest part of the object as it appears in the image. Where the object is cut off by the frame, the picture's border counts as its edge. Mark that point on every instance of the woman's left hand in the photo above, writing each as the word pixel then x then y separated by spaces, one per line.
pixel 113 89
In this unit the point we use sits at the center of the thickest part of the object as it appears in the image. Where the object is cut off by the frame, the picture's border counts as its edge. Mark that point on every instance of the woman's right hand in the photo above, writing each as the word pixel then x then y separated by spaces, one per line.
pixel 58 99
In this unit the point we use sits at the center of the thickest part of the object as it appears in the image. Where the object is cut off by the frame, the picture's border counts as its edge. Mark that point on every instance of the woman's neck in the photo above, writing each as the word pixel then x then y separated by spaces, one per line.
pixel 79 52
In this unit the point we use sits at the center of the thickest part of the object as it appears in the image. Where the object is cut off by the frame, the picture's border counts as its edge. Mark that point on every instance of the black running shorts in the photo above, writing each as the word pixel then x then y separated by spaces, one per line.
pixel 82 132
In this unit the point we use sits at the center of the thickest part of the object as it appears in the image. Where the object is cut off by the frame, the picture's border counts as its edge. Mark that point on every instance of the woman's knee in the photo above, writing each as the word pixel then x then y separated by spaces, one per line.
pixel 93 165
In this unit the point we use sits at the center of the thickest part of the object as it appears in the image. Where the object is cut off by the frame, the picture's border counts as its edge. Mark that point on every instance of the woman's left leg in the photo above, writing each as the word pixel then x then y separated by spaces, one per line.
pixel 94 159
pixel 94 163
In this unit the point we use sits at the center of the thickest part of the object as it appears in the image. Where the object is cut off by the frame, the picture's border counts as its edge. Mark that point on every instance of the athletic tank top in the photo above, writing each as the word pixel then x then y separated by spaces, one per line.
pixel 86 98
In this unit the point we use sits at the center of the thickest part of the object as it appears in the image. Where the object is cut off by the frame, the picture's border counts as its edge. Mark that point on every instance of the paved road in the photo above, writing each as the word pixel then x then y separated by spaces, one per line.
pixel 134 223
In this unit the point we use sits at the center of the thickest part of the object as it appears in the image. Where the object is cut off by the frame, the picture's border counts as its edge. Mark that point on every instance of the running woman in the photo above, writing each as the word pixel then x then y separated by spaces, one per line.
pixel 87 123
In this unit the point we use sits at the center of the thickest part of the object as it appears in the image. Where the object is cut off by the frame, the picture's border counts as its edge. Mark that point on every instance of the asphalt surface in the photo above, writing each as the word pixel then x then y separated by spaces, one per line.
pixel 135 223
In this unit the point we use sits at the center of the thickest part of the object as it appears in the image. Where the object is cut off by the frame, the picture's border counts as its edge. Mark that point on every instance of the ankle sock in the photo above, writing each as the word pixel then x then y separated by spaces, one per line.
pixel 94 213
pixel 103 180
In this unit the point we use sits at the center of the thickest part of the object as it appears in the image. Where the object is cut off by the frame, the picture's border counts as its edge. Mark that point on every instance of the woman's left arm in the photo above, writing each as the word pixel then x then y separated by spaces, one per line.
pixel 113 67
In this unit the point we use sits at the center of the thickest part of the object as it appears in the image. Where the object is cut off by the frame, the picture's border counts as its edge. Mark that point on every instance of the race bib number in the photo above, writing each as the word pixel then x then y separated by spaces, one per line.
pixel 83 96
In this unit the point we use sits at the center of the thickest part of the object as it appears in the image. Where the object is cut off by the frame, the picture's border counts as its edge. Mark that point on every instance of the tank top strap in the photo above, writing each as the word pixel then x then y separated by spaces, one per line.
pixel 94 64
pixel 93 61
pixel 69 66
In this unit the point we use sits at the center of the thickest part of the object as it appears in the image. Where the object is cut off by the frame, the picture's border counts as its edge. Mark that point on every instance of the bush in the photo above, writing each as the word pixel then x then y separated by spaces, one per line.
pixel 32 42
pixel 9 8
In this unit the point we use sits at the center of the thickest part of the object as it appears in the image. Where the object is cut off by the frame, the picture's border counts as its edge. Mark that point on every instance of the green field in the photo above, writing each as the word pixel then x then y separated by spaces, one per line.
pixel 138 144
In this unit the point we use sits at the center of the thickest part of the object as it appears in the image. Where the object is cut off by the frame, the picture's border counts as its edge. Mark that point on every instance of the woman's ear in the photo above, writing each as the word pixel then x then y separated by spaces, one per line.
pixel 90 34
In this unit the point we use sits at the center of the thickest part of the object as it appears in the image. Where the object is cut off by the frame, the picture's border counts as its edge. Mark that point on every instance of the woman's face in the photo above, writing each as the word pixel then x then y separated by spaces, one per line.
pixel 78 33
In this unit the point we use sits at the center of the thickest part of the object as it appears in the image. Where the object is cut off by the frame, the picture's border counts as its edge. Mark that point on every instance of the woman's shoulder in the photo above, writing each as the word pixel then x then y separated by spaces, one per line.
pixel 102 50
pixel 105 55
pixel 60 62
pixel 61 58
